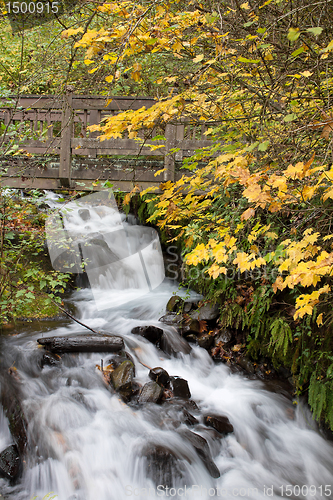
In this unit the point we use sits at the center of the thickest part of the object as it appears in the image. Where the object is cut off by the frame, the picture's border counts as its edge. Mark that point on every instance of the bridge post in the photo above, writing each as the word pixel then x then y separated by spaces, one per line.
pixel 169 158
pixel 66 136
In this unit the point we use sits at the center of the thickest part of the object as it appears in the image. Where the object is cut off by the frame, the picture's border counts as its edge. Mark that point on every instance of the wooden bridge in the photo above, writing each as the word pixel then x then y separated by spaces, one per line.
pixel 61 153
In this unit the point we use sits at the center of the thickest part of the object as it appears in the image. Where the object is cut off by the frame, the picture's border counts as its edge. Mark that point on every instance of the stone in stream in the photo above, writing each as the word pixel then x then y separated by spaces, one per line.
pixel 10 463
pixel 173 343
pixel 83 343
pixel 162 465
pixel 205 341
pixel 84 214
pixel 122 379
pixel 160 376
pixel 50 359
pixel 207 312
pixel 171 319
pixel 14 413
pixel 201 447
pixel 219 422
pixel 179 387
pixel 174 304
pixel 151 333
pixel 191 326
pixel 150 393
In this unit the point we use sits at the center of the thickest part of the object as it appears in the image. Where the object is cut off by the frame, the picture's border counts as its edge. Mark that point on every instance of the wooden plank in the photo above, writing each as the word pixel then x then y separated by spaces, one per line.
pixel 117 103
pixel 23 183
pixel 66 135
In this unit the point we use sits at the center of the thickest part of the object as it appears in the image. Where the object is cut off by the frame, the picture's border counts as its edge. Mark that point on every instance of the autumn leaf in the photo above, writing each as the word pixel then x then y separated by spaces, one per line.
pixel 250 212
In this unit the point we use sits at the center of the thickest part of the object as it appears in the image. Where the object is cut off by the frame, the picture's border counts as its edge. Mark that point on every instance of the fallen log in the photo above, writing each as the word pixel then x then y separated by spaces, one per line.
pixel 83 343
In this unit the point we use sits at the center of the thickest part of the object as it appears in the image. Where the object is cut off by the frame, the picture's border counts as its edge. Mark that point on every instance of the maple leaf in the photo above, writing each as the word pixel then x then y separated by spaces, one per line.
pixel 250 212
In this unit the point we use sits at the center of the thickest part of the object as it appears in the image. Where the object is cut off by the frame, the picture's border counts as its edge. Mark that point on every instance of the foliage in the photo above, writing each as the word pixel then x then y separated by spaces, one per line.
pixel 255 216
pixel 28 286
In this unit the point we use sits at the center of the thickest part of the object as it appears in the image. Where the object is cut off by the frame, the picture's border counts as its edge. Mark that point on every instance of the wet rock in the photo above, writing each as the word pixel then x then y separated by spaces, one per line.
pixel 179 387
pixel 191 326
pixel 188 418
pixel 84 214
pixel 150 393
pixel 83 343
pixel 162 466
pixel 172 343
pixel 207 312
pixel 122 378
pixel 219 422
pixel 160 376
pixel 246 364
pixel 10 462
pixel 50 359
pixel 171 319
pixel 201 447
pixel 151 333
pixel 192 338
pixel 14 413
pixel 117 359
pixel 174 304
pixel 224 336
pixel 205 341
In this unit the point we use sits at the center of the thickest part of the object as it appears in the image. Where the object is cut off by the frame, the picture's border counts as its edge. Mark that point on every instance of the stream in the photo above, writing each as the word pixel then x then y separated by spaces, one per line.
pixel 86 443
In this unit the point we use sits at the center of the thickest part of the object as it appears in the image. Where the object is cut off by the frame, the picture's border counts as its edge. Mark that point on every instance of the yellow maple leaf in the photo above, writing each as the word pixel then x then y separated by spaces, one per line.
pixel 250 212
pixel 319 319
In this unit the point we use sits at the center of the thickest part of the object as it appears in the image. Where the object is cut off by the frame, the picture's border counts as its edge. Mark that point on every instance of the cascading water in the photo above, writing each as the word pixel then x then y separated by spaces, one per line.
pixel 85 443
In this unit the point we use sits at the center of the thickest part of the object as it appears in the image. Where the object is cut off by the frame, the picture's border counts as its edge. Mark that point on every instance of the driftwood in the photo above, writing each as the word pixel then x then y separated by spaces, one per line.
pixel 83 343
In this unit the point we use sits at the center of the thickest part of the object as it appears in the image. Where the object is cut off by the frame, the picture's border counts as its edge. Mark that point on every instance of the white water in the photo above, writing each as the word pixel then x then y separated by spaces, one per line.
pixel 86 444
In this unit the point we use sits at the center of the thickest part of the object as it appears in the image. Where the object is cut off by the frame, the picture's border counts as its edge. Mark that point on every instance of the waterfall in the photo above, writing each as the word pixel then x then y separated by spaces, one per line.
pixel 86 443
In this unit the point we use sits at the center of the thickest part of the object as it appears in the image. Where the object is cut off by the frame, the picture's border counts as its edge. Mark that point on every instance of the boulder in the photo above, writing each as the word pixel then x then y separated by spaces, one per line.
pixel 122 378
pixel 191 326
pixel 150 393
pixel 219 422
pixel 151 333
pixel 179 387
pixel 83 343
pixel 172 343
pixel 207 312
pixel 224 336
pixel 201 447
pixel 246 364
pixel 10 463
pixel 171 319
pixel 84 214
pixel 160 376
pixel 162 466
pixel 50 359
pixel 205 341
pixel 14 413
pixel 174 304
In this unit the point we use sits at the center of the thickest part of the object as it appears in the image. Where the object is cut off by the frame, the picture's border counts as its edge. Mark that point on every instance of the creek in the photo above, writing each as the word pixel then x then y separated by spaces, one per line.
pixel 86 443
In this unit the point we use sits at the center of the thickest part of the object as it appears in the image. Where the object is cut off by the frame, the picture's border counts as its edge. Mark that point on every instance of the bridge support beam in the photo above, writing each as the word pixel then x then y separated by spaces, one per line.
pixel 66 135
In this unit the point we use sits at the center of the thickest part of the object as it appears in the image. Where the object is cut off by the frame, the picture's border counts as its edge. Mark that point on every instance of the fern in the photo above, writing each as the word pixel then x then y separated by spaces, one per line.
pixel 281 335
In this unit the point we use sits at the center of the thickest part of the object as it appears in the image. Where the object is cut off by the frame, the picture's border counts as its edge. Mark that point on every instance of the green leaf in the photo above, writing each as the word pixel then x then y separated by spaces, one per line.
pixel 293 34
pixel 316 31
pixel 290 118
pixel 263 146
pixel 42 283
pixel 261 30
pixel 244 60
pixel 297 52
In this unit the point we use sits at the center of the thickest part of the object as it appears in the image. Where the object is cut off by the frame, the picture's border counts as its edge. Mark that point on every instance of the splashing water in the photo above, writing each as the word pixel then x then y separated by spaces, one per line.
pixel 85 443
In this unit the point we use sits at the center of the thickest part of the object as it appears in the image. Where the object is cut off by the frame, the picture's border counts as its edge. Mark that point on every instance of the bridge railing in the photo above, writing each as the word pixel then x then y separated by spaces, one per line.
pixel 58 126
